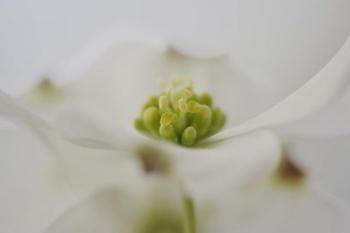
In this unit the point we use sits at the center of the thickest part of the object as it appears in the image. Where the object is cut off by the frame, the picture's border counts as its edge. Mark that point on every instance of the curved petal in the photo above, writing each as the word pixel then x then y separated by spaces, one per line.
pixel 264 208
pixel 38 181
pixel 93 129
pixel 317 93
pixel 118 210
pixel 84 169
pixel 113 79
pixel 326 161
pixel 10 109
pixel 210 171
pixel 115 85
pixel 333 121
pixel 239 96
pixel 270 209
pixel 105 212
pixel 92 136
pixel 27 197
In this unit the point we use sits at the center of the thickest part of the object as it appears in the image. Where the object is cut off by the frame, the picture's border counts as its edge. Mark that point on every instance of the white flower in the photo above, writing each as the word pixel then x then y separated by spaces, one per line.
pixel 98 110
pixel 90 135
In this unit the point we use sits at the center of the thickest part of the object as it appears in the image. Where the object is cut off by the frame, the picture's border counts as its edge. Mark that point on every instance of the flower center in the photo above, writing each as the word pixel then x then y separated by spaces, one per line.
pixel 180 115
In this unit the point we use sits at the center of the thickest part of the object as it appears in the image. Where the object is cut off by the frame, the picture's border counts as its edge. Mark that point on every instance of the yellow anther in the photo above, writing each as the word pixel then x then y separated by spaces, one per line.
pixel 167 118
pixel 193 106
pixel 189 136
pixel 163 103
pixel 182 105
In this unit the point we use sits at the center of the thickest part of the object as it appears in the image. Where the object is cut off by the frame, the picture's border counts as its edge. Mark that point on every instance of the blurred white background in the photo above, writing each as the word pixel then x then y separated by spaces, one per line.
pixel 277 42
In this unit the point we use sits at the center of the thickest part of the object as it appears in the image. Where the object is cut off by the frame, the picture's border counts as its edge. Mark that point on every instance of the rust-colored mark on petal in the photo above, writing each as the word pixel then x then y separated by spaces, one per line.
pixel 153 160
pixel 46 91
pixel 288 173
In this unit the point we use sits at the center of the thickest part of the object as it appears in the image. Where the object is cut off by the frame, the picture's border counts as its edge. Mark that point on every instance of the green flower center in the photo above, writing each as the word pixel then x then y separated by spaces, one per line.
pixel 180 115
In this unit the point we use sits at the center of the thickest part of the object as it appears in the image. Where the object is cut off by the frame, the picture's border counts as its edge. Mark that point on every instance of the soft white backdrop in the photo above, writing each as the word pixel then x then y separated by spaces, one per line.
pixel 277 42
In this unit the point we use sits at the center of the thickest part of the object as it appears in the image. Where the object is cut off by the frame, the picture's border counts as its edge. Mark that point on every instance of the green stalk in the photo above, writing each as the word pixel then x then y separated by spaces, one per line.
pixel 189 220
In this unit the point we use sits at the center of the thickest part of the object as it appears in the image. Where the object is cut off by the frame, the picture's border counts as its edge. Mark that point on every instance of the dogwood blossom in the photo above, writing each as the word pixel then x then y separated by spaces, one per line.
pixel 87 127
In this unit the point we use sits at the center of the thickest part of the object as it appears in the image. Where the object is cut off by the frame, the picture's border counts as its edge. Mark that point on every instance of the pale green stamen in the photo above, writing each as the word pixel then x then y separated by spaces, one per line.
pixel 189 136
pixel 181 116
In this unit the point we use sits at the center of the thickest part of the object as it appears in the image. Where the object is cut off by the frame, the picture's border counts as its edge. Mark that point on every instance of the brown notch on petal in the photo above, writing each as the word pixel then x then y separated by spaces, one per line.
pixel 289 173
pixel 46 91
pixel 153 160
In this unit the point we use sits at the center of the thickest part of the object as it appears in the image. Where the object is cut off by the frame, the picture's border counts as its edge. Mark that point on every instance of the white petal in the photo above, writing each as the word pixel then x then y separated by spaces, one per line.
pixel 210 171
pixel 333 121
pixel 326 162
pixel 38 179
pixel 84 169
pixel 11 110
pixel 105 212
pixel 120 210
pixel 236 94
pixel 121 78
pixel 93 129
pixel 27 196
pixel 62 169
pixel 317 93
pixel 270 209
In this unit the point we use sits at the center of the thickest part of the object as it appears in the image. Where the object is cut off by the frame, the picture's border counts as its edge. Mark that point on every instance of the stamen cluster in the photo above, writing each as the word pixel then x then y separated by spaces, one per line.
pixel 181 116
